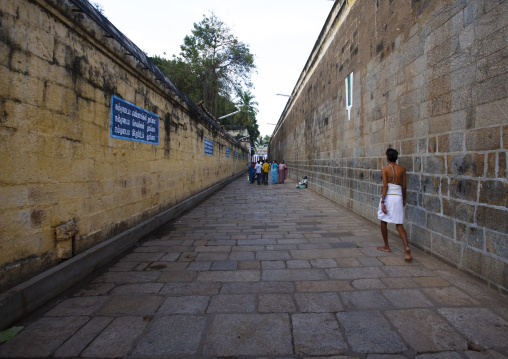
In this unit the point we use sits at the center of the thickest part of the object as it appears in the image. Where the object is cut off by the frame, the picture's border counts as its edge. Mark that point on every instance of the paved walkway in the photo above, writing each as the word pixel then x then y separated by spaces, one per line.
pixel 270 272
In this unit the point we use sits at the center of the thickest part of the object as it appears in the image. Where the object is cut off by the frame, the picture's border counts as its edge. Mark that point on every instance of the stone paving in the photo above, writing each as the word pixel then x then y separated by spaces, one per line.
pixel 270 272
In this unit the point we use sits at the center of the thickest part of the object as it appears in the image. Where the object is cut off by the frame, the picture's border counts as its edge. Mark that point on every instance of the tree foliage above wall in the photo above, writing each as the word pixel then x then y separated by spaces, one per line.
pixel 215 67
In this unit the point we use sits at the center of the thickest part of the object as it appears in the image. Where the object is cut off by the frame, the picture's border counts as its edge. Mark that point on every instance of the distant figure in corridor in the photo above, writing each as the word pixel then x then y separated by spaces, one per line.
pixel 266 169
pixel 283 172
pixel 393 201
pixel 259 169
pixel 275 173
pixel 252 172
pixel 303 183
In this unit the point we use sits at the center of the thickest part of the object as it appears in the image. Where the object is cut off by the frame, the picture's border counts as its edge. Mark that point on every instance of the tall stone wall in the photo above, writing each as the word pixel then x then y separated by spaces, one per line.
pixel 65 183
pixel 430 79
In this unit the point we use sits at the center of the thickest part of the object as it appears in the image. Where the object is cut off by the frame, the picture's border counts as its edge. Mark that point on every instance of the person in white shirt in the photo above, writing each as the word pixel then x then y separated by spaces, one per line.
pixel 258 167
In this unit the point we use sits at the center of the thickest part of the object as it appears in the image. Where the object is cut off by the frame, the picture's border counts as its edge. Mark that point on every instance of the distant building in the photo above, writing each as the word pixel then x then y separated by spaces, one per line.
pixel 241 134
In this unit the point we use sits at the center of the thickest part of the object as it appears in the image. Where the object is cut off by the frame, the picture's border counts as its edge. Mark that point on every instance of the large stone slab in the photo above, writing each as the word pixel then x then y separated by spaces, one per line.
pixel 142 288
pixel 326 253
pixel 128 277
pixel 240 303
pixel 323 286
pixel 293 274
pixel 229 276
pixel 79 341
pixel 468 321
pixel 132 305
pixel 355 273
pixel 276 303
pixel 194 304
pixel 407 298
pixel 43 337
pixel 249 335
pixel 317 334
pixel 191 289
pixel 365 300
pixel 318 302
pixel 370 332
pixel 258 287
pixel 450 296
pixel 117 339
pixel 172 336
pixel 78 306
pixel 426 331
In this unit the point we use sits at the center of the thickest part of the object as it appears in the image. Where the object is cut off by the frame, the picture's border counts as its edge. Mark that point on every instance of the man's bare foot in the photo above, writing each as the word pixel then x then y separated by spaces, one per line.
pixel 384 249
pixel 408 257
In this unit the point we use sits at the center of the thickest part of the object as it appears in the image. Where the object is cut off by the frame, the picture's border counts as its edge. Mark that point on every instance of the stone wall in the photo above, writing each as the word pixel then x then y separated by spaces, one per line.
pixel 430 79
pixel 66 184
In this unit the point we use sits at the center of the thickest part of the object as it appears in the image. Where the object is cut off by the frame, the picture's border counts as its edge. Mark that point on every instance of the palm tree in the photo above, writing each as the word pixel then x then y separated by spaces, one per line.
pixel 246 105
pixel 248 112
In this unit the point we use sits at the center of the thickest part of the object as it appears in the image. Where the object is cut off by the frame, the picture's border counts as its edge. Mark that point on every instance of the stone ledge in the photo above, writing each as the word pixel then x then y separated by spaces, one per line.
pixel 25 298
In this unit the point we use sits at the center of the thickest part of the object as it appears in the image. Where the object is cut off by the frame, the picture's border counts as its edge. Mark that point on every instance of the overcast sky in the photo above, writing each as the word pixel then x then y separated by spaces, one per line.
pixel 281 34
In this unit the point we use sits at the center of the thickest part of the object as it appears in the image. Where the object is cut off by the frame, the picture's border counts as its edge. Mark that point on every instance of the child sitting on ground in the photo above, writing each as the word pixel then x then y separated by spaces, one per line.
pixel 302 183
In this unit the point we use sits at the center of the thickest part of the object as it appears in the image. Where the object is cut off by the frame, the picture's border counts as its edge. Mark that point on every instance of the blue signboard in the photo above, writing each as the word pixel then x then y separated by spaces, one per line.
pixel 227 151
pixel 130 122
pixel 236 155
pixel 208 147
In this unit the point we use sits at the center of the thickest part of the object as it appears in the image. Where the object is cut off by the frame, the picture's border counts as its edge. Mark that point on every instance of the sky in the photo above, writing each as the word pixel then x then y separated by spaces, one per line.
pixel 280 33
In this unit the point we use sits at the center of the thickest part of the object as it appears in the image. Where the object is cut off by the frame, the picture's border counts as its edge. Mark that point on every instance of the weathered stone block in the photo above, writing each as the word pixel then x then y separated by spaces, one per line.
pixel 492 218
pixel 497 243
pixel 494 193
pixel 491 164
pixel 425 331
pixel 472 260
pixel 491 90
pixel 461 99
pixel 466 165
pixel 440 224
pixel 432 203
pixel 460 232
pixel 501 169
pixel 445 248
pixel 430 184
pixel 484 139
pixel 421 236
pixel 434 164
pixel 464 189
pixel 459 210
pixel 432 145
pixel 441 105
pixel 476 238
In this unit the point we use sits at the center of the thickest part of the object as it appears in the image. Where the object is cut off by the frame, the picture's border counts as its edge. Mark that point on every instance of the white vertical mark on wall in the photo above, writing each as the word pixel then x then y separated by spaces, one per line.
pixel 349 94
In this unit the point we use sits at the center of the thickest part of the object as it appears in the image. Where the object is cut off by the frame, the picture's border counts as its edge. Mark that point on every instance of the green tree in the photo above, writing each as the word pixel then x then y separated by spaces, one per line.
pixel 247 116
pixel 262 141
pixel 182 75
pixel 222 63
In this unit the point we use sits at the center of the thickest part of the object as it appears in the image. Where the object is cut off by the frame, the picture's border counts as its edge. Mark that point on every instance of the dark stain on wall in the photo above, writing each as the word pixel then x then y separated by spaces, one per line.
pixel 167 130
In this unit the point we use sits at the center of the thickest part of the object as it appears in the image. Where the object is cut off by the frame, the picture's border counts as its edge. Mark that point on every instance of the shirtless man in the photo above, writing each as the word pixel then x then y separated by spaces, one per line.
pixel 393 201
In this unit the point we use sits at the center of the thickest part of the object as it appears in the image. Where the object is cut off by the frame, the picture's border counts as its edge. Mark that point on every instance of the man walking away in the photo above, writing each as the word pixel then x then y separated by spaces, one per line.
pixel 266 169
pixel 259 169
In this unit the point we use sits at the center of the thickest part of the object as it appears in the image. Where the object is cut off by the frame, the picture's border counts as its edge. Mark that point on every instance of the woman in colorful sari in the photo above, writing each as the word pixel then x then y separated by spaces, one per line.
pixel 275 173
pixel 283 172
pixel 252 172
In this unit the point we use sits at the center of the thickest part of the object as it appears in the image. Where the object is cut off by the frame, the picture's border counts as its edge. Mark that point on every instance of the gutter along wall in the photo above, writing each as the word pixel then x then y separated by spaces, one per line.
pixel 429 79
pixel 66 184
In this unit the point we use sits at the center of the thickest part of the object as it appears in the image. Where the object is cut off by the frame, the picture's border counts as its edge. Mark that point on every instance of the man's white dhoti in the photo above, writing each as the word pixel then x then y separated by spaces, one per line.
pixel 394 205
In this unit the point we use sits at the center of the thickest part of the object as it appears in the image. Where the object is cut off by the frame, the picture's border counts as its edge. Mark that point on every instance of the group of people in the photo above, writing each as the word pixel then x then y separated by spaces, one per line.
pixel 259 171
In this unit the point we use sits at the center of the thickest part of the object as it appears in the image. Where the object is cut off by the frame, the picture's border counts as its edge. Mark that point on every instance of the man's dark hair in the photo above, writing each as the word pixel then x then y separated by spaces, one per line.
pixel 392 155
